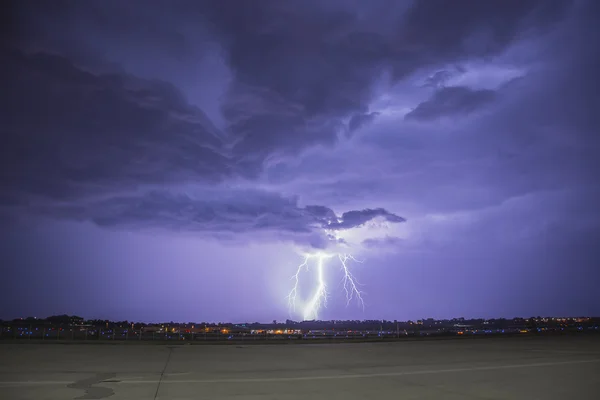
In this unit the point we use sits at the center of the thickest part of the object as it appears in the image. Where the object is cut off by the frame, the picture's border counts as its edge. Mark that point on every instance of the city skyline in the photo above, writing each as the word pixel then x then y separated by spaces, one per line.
pixel 75 319
pixel 335 160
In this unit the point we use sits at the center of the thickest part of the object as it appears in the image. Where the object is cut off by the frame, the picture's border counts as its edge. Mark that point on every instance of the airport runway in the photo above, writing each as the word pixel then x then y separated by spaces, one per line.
pixel 495 368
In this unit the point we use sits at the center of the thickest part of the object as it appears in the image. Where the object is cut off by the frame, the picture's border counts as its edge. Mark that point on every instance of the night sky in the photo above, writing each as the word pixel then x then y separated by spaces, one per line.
pixel 173 160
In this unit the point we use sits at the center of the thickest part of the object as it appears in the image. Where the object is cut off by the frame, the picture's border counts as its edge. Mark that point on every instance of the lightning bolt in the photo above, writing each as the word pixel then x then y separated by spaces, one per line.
pixel 294 292
pixel 318 300
pixel 350 283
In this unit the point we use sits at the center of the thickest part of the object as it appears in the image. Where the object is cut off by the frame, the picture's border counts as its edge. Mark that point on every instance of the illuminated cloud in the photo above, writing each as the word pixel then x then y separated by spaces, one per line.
pixel 452 101
pixel 107 129
pixel 221 214
pixel 205 119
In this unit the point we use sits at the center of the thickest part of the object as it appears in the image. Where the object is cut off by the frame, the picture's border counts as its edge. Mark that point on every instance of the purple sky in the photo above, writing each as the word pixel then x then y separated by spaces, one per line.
pixel 172 160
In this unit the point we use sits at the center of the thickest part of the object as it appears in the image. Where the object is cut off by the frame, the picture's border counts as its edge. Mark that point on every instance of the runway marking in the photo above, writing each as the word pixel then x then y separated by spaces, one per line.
pixel 318 378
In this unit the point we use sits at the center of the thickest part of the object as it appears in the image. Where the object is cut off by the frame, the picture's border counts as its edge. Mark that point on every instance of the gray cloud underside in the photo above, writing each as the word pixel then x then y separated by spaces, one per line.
pixel 327 71
pixel 69 132
pixel 359 120
pixel 385 242
pixel 451 101
pixel 217 212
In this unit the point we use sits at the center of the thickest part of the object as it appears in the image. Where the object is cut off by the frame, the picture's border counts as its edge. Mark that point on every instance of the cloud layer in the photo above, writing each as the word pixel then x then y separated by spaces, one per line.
pixel 451 101
pixel 291 87
pixel 70 132
pixel 221 213
pixel 304 121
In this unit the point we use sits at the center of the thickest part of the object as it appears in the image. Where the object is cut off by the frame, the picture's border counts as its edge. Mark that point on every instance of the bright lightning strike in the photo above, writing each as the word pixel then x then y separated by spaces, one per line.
pixel 350 283
pixel 294 292
pixel 318 299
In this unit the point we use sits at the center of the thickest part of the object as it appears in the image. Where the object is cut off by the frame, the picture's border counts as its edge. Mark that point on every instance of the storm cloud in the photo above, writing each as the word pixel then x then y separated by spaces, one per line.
pixel 292 86
pixel 136 133
pixel 218 212
pixel 451 101
pixel 98 132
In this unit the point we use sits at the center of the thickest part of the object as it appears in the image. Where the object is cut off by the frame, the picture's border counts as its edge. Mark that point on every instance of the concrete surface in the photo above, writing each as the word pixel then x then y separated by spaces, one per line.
pixel 515 368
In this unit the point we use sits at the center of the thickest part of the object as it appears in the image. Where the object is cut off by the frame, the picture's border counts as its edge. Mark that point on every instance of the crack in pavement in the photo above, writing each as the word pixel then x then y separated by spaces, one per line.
pixel 162 374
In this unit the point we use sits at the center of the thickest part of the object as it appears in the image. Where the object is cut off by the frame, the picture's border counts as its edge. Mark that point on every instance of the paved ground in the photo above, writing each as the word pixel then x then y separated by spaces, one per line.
pixel 503 368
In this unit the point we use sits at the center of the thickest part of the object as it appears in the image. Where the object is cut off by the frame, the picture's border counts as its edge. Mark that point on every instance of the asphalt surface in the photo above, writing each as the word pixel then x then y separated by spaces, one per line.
pixel 500 368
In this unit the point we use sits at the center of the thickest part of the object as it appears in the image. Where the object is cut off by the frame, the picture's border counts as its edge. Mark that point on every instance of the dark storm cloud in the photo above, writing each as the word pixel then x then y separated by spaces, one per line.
pixel 358 218
pixel 92 115
pixel 320 62
pixel 541 133
pixel 359 120
pixel 254 114
pixel 211 212
pixel 350 219
pixel 300 71
pixel 231 211
pixel 445 29
pixel 322 213
pixel 353 219
pixel 449 101
pixel 438 79
pixel 67 130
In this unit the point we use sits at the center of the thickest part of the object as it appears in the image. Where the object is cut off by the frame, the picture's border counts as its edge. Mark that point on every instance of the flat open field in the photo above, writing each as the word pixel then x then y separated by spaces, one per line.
pixel 495 368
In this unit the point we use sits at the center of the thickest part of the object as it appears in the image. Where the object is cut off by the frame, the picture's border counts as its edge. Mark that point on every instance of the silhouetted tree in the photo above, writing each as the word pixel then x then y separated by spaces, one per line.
pixel 59 319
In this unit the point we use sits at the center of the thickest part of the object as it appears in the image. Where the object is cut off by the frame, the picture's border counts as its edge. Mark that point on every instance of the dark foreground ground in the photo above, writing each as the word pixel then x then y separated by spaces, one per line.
pixel 508 368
